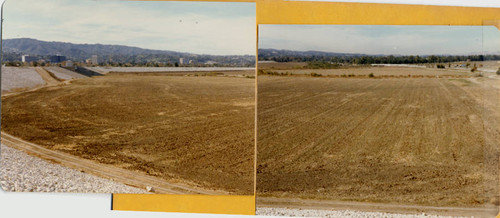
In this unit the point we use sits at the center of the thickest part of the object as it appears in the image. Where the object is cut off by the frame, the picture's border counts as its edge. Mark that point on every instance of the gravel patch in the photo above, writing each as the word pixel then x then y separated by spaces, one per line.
pixel 21 172
pixel 104 70
pixel 64 74
pixel 20 77
pixel 335 213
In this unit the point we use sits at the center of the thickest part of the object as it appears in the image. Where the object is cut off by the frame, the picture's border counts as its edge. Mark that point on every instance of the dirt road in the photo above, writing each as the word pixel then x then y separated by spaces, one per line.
pixel 132 178
pixel 263 202
pixel 49 79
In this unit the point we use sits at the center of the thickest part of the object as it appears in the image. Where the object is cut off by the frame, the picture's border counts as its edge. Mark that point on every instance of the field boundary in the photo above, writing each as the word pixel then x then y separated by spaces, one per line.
pixel 132 178
pixel 271 202
pixel 49 78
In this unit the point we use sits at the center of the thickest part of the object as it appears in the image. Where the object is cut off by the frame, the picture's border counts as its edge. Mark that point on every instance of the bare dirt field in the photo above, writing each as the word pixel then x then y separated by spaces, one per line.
pixel 196 131
pixel 382 72
pixel 424 141
pixel 105 70
pixel 228 73
pixel 281 65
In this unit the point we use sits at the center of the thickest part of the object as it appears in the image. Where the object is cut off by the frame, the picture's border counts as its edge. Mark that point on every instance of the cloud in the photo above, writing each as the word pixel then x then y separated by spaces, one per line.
pixel 209 28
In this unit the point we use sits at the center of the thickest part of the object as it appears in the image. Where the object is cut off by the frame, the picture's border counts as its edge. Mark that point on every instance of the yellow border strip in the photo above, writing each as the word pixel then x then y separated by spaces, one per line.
pixel 300 12
pixel 216 204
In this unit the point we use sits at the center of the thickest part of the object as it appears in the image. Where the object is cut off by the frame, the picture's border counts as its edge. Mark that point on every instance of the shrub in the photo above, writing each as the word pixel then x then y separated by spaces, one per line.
pixel 371 75
pixel 321 65
pixel 316 74
pixel 440 66
pixel 498 71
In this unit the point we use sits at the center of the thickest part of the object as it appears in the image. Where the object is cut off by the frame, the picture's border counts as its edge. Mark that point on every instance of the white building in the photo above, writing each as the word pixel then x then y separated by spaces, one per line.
pixel 94 59
pixel 210 62
pixel 69 63
pixel 181 60
pixel 27 58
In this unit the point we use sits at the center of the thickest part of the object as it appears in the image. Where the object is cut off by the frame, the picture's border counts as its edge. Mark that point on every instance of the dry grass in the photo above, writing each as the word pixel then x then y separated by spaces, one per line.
pixel 282 65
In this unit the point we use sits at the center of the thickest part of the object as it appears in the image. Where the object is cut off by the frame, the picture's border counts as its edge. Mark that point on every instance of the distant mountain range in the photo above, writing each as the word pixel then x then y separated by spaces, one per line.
pixel 14 48
pixel 267 53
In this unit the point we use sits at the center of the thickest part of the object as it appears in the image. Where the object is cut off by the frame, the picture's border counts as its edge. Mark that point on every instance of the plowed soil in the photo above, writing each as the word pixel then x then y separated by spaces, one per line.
pixel 426 141
pixel 383 72
pixel 197 131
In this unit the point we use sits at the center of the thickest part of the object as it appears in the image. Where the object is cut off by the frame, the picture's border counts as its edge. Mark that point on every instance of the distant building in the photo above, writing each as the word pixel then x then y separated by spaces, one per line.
pixel 210 62
pixel 57 58
pixel 27 58
pixel 190 61
pixel 68 63
pixel 181 60
pixel 94 59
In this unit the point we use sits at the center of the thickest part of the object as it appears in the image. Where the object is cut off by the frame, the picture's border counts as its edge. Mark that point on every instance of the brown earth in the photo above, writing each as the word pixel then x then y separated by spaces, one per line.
pixel 382 72
pixel 192 130
pixel 425 141
pixel 47 76
pixel 282 65
pixel 235 73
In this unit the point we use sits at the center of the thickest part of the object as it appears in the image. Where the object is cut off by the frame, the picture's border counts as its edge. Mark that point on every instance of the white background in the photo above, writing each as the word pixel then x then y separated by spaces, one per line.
pixel 98 205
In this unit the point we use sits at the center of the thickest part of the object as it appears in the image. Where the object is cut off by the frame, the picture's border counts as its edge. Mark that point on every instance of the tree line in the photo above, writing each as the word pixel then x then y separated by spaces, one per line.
pixel 390 59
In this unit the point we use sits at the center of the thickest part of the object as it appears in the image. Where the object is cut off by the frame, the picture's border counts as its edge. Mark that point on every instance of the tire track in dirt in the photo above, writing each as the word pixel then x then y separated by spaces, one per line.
pixel 304 152
pixel 415 132
pixel 305 102
pixel 132 178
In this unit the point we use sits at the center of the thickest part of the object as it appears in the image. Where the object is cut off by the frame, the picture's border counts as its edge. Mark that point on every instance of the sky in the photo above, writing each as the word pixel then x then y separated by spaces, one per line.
pixel 196 27
pixel 382 39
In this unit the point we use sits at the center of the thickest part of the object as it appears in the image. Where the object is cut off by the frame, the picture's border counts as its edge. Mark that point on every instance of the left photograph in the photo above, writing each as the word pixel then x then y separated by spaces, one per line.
pixel 128 97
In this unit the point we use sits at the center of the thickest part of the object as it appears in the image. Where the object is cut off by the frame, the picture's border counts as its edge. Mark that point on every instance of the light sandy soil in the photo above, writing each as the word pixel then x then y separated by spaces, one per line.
pixel 64 74
pixel 292 212
pixel 117 174
pixel 309 207
pixel 20 78
pixel 21 172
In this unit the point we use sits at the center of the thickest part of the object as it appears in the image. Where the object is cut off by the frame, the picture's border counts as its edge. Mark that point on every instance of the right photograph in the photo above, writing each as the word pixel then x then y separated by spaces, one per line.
pixel 379 119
